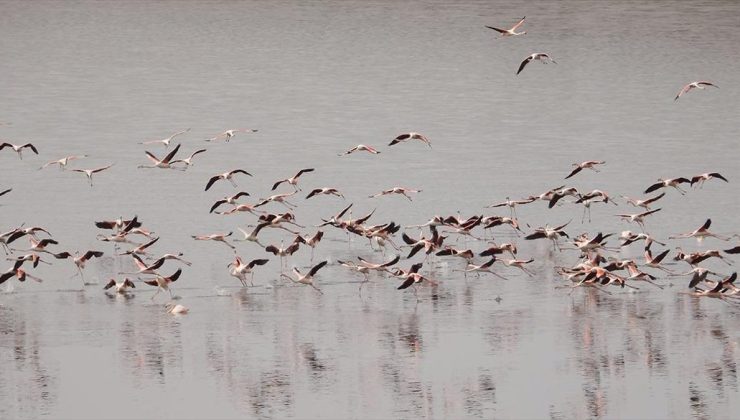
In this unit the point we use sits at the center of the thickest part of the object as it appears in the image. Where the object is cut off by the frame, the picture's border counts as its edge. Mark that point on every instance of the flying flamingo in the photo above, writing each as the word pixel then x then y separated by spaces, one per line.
pixel 166 141
pixel 293 180
pixel 189 160
pixel 162 163
pixel 542 57
pixel 360 148
pixel 227 176
pixel 410 136
pixel 510 32
pixel 19 148
pixel 62 162
pixel 228 134
pixel 702 84
pixel 90 172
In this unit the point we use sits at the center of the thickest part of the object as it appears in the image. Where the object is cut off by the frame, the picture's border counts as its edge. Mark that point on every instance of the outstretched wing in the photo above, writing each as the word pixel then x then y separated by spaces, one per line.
pixel 503 31
pixel 524 64
pixel 317 267
pixel 170 155
pixel 575 171
pixel 211 181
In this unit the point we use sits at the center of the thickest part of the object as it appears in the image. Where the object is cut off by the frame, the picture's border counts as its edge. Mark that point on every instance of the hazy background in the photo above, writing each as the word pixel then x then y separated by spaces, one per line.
pixel 317 78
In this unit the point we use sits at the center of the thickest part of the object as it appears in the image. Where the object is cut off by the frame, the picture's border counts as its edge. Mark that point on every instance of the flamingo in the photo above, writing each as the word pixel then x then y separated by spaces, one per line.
pixel 33 257
pixel 218 237
pixel 670 182
pixel 228 134
pixel 166 141
pixel 19 148
pixel 121 287
pixel 229 200
pixel 240 270
pixel 176 309
pixel 145 268
pixel 360 148
pixel 410 136
pixel 702 84
pixel 282 251
pixel 510 32
pixel 141 249
pixel 19 273
pixel 520 264
pixel 311 241
pixel 89 172
pixel 252 236
pixel 278 198
pixel 397 190
pixel 542 57
pixel 226 175
pixel 188 161
pixel 308 278
pixel 700 179
pixel 163 163
pixel 643 203
pixel 638 218
pixel 589 164
pixel 700 233
pixel 163 283
pixel 550 233
pixel 62 162
pixel 511 204
pixel 119 224
pixel 292 180
pixel 79 260
pixel 325 191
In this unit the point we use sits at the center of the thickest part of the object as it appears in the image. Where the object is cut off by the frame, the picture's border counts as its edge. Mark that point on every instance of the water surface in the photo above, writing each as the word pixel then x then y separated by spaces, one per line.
pixel 317 78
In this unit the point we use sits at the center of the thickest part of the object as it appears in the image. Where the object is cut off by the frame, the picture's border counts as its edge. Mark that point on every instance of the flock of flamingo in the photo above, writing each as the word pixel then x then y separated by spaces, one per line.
pixel 596 267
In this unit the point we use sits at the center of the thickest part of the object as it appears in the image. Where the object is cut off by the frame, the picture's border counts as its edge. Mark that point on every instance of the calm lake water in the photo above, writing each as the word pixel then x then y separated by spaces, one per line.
pixel 317 78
